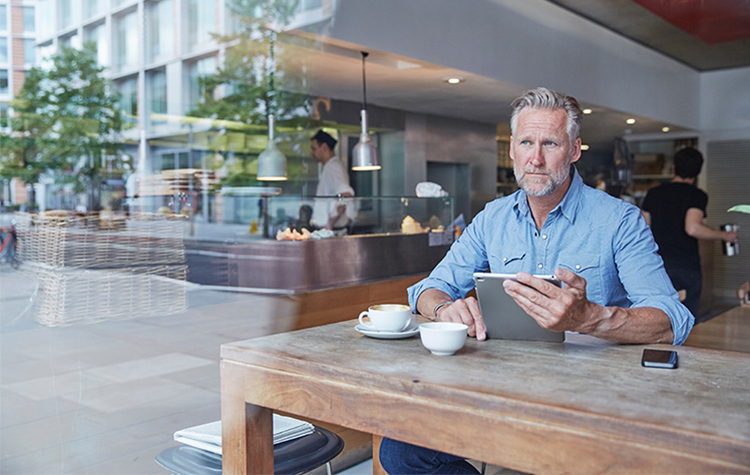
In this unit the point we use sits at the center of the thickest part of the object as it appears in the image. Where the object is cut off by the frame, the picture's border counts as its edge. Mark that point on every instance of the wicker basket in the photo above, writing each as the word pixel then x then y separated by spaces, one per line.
pixel 78 296
pixel 101 240
pixel 103 266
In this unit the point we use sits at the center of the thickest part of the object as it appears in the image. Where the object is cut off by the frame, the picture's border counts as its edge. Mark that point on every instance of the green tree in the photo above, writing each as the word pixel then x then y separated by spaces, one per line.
pixel 66 123
pixel 254 86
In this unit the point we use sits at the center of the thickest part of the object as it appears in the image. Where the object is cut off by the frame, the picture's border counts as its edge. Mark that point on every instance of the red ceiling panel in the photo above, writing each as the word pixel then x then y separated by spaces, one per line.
pixel 711 21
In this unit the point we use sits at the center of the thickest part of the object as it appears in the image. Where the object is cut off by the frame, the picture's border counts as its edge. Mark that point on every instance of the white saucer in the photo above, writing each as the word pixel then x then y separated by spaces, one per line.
pixel 411 331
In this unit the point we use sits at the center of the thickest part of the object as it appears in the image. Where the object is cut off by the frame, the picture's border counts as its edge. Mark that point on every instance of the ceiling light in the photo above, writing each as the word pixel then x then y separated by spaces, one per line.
pixel 665 129
pixel 630 121
pixel 584 146
pixel 587 111
pixel 271 162
pixel 454 80
pixel 364 155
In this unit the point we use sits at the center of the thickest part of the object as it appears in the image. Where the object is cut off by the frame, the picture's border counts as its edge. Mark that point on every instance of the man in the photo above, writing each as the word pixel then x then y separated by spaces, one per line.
pixel 675 212
pixel 334 181
pixel 615 286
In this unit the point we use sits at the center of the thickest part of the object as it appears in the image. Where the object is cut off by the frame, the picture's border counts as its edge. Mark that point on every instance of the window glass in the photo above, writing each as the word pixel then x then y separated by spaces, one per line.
pixel 29 20
pixel 127 41
pixel 29 51
pixel 161 34
pixel 66 13
pixel 3 81
pixel 46 15
pixel 129 100
pixel 97 34
pixel 201 68
pixel 3 49
pixel 157 94
pixel 200 20
pixel 92 7
pixel 3 18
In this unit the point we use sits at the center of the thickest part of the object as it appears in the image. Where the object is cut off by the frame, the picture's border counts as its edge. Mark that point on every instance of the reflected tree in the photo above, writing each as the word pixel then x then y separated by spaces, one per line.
pixel 245 88
pixel 66 123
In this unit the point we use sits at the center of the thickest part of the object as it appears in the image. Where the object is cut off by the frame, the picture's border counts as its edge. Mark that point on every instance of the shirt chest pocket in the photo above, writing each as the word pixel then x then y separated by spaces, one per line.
pixel 510 262
pixel 587 266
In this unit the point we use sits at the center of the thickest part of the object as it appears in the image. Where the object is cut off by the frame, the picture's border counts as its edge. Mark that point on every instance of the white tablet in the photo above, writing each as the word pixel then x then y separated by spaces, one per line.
pixel 503 317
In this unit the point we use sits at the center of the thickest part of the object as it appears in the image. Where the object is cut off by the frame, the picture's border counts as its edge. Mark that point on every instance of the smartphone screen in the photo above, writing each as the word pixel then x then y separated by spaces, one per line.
pixel 659 359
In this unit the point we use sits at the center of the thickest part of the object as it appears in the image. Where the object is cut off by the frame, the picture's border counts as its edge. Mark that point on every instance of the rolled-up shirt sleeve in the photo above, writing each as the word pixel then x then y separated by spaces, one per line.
pixel 641 271
pixel 454 275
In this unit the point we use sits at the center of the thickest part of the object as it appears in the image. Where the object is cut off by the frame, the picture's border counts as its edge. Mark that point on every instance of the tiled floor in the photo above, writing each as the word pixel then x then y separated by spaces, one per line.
pixel 106 397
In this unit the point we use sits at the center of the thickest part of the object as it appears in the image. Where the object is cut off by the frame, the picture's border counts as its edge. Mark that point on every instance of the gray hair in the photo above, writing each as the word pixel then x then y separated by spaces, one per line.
pixel 543 98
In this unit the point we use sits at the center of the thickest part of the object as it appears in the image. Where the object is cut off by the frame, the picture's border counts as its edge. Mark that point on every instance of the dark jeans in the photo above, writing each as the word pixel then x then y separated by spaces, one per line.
pixel 691 281
pixel 400 458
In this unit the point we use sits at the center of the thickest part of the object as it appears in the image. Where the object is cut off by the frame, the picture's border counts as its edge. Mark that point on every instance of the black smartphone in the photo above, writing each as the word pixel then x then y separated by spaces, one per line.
pixel 659 359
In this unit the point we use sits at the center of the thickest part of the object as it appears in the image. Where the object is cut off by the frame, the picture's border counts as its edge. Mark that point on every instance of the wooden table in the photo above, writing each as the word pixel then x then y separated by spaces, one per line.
pixel 728 331
pixel 585 406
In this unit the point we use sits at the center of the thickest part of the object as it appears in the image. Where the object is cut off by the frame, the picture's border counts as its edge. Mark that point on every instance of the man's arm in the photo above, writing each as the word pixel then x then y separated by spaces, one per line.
pixel 464 311
pixel 568 309
pixel 340 210
pixel 694 227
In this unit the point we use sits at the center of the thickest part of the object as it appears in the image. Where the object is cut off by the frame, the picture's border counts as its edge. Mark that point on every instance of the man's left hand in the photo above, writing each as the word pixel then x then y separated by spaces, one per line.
pixel 554 308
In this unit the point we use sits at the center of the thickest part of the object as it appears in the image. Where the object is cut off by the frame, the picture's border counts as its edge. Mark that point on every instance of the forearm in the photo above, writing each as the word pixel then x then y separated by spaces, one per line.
pixel 701 231
pixel 428 299
pixel 632 325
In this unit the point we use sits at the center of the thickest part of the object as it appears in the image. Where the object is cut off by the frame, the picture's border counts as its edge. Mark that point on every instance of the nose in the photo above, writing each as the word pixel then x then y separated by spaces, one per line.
pixel 537 157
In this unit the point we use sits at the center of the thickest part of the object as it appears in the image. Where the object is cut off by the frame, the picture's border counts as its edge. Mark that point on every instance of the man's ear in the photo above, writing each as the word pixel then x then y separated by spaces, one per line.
pixel 576 152
pixel 511 153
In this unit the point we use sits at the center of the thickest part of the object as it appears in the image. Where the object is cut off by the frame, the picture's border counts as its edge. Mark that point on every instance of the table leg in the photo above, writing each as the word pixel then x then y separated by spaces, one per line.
pixel 246 429
pixel 377 469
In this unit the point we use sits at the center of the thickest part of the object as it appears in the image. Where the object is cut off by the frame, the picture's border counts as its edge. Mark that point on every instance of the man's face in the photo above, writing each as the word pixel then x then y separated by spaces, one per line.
pixel 541 151
pixel 318 151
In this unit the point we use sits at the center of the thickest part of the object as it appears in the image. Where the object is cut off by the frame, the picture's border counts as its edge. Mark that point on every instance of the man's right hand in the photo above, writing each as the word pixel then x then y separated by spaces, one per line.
pixel 464 311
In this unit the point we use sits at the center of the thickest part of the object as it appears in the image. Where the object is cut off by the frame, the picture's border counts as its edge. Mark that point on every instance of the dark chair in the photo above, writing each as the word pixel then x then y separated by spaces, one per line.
pixel 289 458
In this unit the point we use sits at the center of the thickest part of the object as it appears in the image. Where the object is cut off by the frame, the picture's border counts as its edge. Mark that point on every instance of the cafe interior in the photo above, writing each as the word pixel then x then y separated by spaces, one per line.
pixel 186 290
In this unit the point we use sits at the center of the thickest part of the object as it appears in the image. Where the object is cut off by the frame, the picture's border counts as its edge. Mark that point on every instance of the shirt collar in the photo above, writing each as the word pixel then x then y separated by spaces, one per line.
pixel 569 204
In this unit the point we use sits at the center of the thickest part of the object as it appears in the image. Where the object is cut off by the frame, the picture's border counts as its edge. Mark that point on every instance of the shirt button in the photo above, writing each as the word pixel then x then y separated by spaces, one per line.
pixel 544 236
pixel 540 266
pixel 505 259
pixel 578 267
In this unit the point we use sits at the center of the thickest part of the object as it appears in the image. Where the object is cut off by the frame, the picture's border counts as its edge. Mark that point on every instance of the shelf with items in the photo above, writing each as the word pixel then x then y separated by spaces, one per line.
pixel 506 179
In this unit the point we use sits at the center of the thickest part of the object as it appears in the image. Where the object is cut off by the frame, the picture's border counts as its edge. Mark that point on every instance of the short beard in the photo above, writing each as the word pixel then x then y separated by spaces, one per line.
pixel 554 179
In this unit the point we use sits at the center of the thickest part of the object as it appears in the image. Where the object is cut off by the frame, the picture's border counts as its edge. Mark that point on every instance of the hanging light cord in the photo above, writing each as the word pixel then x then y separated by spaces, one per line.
pixel 364 82
pixel 272 92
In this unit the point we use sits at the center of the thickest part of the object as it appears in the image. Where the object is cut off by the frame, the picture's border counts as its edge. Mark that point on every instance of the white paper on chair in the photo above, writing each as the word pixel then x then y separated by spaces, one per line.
pixel 208 436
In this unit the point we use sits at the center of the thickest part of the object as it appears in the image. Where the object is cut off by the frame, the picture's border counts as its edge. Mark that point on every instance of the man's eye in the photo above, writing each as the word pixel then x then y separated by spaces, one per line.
pixel 524 142
pixel 550 143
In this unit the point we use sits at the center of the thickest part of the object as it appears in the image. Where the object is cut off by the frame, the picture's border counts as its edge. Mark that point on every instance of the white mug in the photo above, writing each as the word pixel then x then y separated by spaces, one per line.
pixel 387 317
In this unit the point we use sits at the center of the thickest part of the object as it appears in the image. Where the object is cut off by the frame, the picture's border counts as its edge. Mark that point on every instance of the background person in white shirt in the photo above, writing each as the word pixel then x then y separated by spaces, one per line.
pixel 334 181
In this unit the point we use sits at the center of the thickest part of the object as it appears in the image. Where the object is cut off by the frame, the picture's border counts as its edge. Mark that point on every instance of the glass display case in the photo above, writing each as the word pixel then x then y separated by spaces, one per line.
pixel 358 215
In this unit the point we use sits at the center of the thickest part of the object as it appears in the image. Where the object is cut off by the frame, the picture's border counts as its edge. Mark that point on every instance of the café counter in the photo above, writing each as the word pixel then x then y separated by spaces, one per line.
pixel 286 267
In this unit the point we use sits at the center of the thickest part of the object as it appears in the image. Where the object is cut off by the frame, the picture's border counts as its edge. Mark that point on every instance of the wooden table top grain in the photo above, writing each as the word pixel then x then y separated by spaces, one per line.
pixel 584 406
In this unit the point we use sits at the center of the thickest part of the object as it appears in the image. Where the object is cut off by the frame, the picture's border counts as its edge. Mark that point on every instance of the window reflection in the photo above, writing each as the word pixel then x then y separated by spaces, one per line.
pixel 161 34
pixel 126 27
pixel 200 19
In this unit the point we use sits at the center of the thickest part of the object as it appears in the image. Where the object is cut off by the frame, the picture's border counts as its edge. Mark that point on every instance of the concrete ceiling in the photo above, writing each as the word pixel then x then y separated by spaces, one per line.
pixel 711 22
pixel 335 71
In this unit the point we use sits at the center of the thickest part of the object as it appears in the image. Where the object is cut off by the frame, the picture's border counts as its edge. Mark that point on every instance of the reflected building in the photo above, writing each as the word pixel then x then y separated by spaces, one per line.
pixel 18 32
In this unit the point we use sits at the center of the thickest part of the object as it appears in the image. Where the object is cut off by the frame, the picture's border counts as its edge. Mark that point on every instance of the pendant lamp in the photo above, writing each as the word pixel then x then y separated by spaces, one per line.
pixel 271 162
pixel 364 155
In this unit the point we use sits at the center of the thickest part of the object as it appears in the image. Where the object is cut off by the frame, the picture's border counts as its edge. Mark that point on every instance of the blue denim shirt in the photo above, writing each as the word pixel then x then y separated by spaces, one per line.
pixel 603 239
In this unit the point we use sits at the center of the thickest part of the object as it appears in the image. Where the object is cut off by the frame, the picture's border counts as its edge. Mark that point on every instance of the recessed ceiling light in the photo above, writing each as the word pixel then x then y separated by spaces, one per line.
pixel 454 80
pixel 665 129
pixel 587 111
pixel 584 146
pixel 630 121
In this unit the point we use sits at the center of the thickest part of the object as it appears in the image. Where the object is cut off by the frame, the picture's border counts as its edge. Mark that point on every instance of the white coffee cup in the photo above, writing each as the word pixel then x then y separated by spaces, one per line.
pixel 443 338
pixel 387 317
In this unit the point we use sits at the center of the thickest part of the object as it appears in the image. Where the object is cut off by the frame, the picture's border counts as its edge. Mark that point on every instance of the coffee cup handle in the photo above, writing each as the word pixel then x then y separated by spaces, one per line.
pixel 363 323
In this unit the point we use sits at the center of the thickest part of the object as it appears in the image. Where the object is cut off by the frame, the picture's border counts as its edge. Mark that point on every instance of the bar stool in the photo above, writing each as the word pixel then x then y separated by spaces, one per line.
pixel 289 458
